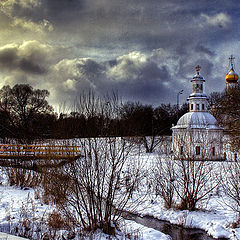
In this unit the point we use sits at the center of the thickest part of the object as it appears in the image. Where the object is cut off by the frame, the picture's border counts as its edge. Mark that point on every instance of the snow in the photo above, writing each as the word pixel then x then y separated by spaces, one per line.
pixel 143 233
pixel 197 120
pixel 147 233
pixel 214 216
pixel 12 200
pixel 214 224
pixel 4 236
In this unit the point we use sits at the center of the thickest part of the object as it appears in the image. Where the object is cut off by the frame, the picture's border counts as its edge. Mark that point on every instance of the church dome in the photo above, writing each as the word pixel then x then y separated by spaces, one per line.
pixel 197 120
pixel 198 76
pixel 232 76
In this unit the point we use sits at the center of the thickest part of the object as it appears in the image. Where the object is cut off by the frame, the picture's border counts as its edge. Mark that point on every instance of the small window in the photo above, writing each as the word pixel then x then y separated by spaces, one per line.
pixel 213 151
pixel 197 107
pixel 191 106
pixel 181 150
pixel 203 107
pixel 197 86
pixel 224 156
pixel 197 150
pixel 235 157
pixel 201 87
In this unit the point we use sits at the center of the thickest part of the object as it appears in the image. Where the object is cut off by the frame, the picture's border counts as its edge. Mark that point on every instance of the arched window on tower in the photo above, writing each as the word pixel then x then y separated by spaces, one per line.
pixel 181 150
pixel 213 151
pixel 203 107
pixel 197 150
pixel 197 107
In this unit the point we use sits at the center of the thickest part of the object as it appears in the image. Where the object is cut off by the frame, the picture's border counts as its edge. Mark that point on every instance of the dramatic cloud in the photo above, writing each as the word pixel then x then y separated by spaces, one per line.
pixel 18 20
pixel 135 76
pixel 145 50
pixel 10 6
pixel 30 57
pixel 221 20
pixel 39 27
pixel 70 84
pixel 128 67
pixel 28 62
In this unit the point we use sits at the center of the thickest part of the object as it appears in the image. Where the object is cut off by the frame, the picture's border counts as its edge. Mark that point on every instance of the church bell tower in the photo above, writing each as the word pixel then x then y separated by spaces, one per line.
pixel 198 99
pixel 231 77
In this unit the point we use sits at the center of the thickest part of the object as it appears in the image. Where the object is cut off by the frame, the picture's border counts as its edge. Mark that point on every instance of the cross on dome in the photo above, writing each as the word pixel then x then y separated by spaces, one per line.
pixel 231 60
pixel 197 69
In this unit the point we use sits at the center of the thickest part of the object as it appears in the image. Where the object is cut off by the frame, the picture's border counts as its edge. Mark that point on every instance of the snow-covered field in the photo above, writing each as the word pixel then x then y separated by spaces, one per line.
pixel 213 216
pixel 16 202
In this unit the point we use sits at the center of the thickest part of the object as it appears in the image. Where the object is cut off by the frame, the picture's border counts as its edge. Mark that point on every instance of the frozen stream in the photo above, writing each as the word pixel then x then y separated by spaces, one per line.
pixel 176 232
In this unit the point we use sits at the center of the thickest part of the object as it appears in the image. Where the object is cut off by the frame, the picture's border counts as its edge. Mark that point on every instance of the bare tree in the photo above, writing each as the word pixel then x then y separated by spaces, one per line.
pixel 21 104
pixel 187 180
pixel 149 124
pixel 101 113
pixel 193 182
pixel 226 109
pixel 101 183
pixel 229 180
pixel 164 180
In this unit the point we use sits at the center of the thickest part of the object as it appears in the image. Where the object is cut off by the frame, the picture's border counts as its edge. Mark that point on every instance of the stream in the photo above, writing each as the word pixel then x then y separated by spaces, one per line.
pixel 175 231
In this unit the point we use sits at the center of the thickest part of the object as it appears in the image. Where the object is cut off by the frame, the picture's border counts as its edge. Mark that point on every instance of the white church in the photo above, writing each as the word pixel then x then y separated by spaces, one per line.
pixel 197 135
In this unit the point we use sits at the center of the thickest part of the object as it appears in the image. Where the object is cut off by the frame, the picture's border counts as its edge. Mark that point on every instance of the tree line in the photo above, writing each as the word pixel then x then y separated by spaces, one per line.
pixel 26 114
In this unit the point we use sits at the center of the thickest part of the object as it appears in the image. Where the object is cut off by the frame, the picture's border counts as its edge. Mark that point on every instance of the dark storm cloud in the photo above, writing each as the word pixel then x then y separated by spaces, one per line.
pixel 8 58
pixel 27 65
pixel 202 49
pixel 132 25
pixel 148 87
pixel 125 24
pixel 10 61
pixel 135 76
pixel 147 50
pixel 30 57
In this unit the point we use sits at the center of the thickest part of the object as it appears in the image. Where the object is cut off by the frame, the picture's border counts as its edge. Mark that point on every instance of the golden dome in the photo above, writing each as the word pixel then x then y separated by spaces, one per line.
pixel 232 76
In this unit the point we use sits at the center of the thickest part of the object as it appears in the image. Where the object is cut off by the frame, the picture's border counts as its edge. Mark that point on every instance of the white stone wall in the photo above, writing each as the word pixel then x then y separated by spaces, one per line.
pixel 185 142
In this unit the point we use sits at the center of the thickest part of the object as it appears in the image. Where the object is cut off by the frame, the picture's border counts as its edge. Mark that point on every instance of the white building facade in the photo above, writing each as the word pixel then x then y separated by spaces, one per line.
pixel 197 135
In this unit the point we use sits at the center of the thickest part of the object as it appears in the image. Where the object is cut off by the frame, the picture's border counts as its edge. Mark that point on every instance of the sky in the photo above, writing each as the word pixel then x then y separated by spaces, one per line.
pixel 143 50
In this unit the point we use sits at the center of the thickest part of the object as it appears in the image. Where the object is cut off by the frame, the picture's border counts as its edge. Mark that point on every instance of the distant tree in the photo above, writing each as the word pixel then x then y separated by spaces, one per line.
pixel 148 123
pixel 70 125
pixel 21 105
pixel 214 99
pixel 226 110
pixel 137 119
pixel 101 113
pixel 184 109
pixel 166 115
pixel 44 124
